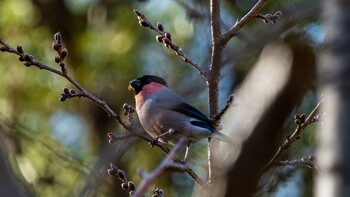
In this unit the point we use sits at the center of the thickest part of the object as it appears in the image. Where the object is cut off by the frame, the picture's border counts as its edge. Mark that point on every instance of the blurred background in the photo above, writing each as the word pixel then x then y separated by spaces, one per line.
pixel 52 148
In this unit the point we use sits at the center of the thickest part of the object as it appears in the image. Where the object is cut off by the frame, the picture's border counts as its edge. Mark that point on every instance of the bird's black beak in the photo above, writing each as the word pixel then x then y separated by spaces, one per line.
pixel 134 84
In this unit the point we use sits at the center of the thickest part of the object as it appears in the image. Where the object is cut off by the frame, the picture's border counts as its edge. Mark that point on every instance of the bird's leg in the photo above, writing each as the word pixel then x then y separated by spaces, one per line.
pixel 155 139
pixel 186 153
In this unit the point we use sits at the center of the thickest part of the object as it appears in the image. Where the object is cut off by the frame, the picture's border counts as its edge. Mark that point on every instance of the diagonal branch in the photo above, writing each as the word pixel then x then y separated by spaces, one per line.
pixel 243 21
pixel 29 60
pixel 165 37
pixel 295 135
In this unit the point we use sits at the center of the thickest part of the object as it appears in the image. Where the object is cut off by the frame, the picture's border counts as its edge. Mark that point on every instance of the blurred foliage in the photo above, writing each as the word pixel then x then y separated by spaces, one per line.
pixel 58 144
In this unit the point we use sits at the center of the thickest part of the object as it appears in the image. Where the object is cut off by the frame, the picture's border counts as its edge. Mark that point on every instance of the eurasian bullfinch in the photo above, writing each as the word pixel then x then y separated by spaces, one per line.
pixel 167 116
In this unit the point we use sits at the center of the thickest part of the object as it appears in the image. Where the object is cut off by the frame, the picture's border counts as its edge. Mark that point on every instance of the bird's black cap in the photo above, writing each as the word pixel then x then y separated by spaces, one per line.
pixel 139 83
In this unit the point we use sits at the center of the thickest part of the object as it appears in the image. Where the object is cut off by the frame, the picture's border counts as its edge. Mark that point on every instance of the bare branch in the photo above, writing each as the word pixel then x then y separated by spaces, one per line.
pixel 233 31
pixel 167 165
pixel 229 101
pixel 29 60
pixel 26 58
pixel 120 174
pixel 302 123
pixel 165 38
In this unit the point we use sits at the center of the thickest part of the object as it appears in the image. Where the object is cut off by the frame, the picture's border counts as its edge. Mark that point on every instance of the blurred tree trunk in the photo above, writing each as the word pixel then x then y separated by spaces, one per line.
pixel 333 178
pixel 259 148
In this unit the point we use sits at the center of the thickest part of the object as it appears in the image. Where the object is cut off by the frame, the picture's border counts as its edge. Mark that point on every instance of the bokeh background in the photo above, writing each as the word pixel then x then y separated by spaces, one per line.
pixel 53 148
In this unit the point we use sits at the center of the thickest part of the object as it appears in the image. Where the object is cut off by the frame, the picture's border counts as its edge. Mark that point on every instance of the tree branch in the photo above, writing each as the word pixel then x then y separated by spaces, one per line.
pixel 229 101
pixel 29 60
pixel 165 38
pixel 295 135
pixel 233 31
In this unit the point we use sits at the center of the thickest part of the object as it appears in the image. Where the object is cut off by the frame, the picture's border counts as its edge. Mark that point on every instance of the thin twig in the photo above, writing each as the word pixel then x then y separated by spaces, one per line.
pixel 165 37
pixel 27 57
pixel 243 21
pixel 29 60
pixel 294 136
pixel 229 101
pixel 120 174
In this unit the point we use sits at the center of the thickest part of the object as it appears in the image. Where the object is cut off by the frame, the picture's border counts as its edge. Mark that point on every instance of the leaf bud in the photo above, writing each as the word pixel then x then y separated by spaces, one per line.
pixel 143 23
pixel 297 121
pixel 111 172
pixel 58 37
pixel 138 13
pixel 55 46
pixel 28 57
pixel 63 98
pixel 20 49
pixel 168 35
pixel 64 53
pixel 159 38
pixel 66 90
pixel 160 27
pixel 296 116
pixel 57 59
pixel 121 174
pixel 131 185
pixel 124 186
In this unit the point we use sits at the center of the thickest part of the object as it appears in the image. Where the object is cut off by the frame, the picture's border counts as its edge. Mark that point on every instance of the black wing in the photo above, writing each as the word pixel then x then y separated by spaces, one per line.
pixel 205 125
pixel 193 112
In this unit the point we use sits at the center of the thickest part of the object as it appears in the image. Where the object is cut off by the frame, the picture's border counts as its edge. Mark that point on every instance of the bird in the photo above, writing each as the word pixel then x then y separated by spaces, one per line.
pixel 167 116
